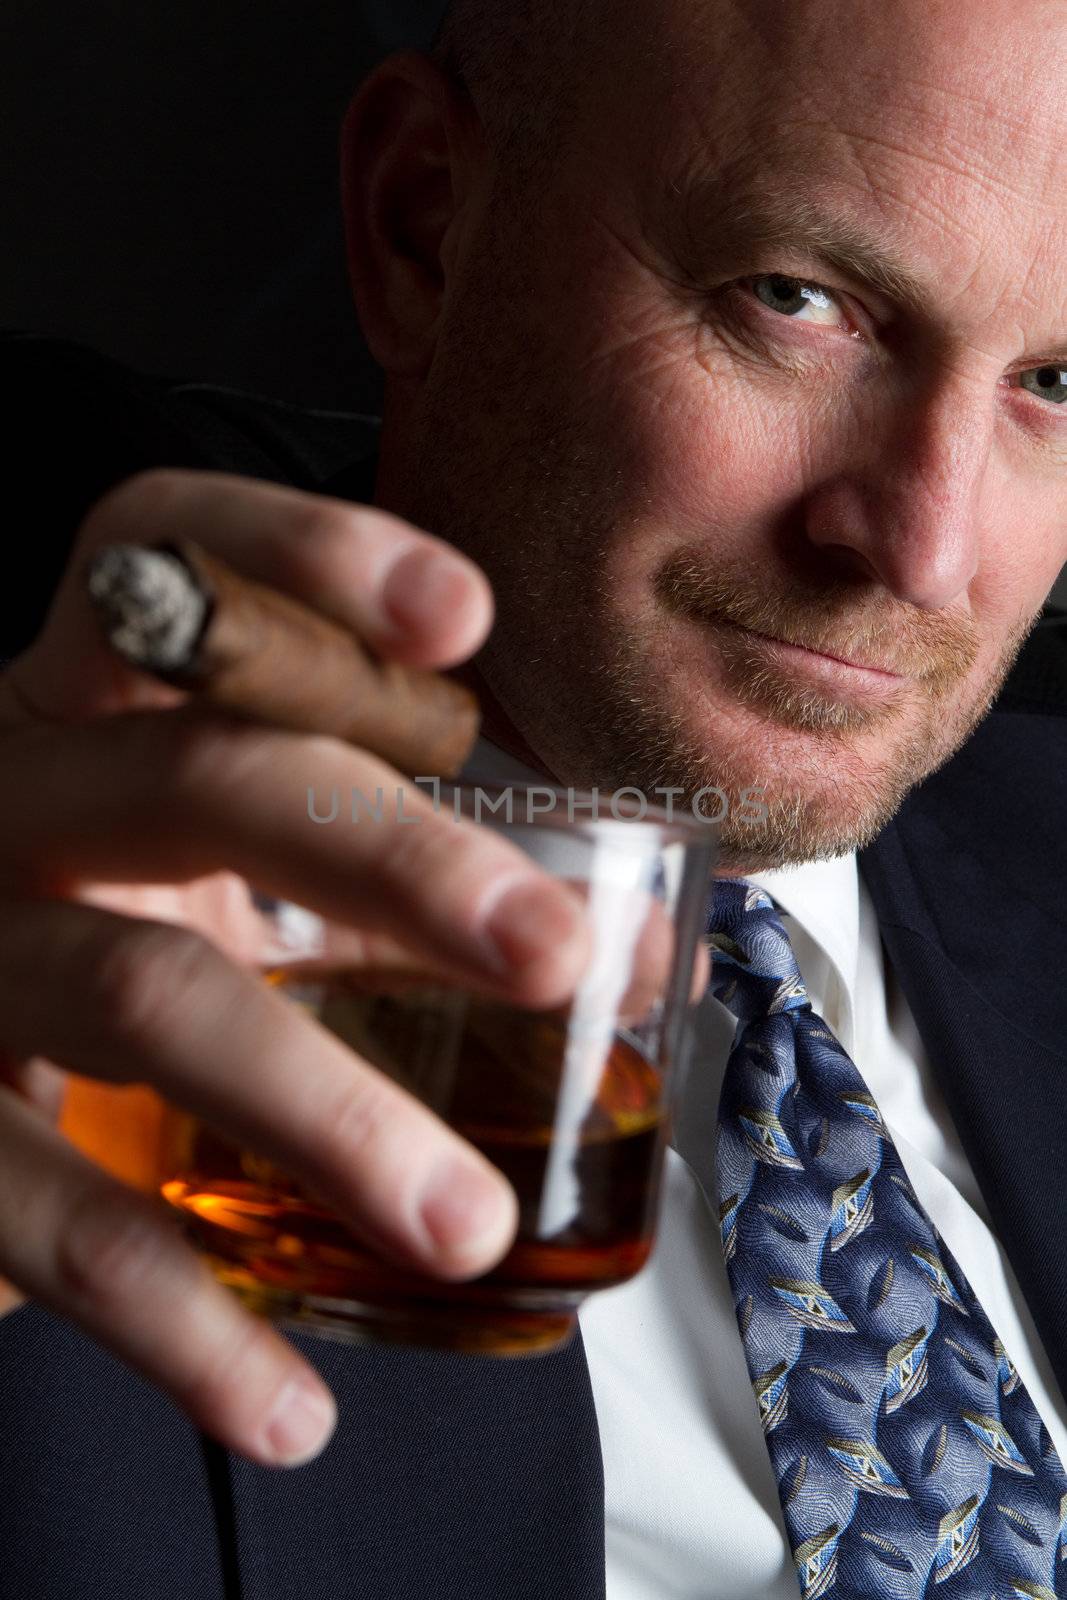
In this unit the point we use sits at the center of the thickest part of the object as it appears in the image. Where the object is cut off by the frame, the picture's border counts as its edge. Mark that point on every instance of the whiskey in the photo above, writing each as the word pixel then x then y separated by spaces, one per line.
pixel 571 1111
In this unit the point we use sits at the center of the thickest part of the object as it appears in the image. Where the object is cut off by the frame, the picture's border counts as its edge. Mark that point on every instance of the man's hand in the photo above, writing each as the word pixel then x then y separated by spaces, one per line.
pixel 131 823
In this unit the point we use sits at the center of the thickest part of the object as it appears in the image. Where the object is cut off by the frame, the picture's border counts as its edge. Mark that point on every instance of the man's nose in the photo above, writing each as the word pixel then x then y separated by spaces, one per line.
pixel 908 511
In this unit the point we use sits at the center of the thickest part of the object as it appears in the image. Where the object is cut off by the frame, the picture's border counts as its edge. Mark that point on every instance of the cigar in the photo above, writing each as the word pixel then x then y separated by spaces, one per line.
pixel 184 616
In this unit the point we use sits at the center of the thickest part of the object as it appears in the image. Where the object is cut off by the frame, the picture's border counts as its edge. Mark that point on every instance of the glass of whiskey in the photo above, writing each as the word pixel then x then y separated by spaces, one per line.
pixel 572 1105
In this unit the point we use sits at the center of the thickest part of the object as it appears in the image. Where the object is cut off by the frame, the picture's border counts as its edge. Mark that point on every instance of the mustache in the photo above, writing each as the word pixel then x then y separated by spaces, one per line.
pixel 835 618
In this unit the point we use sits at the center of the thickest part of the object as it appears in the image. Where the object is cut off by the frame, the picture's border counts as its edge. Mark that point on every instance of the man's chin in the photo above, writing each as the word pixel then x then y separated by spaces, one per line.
pixel 830 790
pixel 784 792
pixel 825 792
pixel 799 831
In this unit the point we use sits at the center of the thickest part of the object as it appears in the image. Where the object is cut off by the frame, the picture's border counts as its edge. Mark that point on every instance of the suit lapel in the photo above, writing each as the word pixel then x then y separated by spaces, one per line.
pixel 462 1477
pixel 970 887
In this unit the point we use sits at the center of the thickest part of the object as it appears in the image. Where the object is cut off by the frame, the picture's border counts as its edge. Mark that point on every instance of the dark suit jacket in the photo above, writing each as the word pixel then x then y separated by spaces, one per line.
pixel 464 1477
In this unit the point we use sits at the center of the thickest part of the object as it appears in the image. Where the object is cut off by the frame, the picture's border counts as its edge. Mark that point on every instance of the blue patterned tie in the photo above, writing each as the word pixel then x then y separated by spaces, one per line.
pixel 909 1458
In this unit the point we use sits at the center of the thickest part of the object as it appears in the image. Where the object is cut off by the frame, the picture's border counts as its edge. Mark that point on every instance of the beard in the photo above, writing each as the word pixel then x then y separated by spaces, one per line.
pixel 513 464
pixel 816 798
pixel 834 791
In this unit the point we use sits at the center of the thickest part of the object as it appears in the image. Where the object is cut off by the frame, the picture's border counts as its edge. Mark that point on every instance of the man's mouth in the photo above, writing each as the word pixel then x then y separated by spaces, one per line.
pixel 843 659
pixel 842 672
pixel 847 639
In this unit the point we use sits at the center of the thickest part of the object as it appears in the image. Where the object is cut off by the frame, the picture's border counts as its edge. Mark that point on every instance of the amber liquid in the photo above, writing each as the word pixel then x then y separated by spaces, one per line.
pixel 573 1116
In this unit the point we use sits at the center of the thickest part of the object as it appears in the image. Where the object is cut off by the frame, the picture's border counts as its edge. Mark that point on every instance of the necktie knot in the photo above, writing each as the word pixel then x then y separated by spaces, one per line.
pixel 754 971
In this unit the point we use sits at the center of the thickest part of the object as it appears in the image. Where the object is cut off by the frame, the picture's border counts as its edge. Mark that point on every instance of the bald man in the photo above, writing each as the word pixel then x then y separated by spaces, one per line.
pixel 726 356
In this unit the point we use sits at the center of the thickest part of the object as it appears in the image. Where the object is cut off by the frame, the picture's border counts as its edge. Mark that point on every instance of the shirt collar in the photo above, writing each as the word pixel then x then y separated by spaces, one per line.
pixel 823 898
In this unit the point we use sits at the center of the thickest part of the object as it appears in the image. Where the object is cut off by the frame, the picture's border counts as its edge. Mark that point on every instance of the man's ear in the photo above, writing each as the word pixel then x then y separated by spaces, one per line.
pixel 411 146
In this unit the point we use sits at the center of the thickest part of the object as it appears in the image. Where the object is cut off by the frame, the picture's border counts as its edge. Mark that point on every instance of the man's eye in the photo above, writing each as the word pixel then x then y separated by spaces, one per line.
pixel 792 297
pixel 1048 383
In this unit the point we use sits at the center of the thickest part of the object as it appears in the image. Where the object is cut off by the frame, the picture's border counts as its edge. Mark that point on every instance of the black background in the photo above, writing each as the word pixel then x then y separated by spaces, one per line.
pixel 169 184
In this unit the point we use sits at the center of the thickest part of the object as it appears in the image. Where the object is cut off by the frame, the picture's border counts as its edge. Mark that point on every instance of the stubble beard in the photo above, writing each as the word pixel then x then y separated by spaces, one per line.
pixel 819 801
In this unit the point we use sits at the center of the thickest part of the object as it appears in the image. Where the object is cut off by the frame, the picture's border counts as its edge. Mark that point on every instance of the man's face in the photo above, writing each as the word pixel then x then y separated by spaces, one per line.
pixel 757 513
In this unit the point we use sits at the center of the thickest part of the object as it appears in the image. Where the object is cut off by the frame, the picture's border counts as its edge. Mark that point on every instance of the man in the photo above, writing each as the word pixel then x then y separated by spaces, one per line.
pixel 734 355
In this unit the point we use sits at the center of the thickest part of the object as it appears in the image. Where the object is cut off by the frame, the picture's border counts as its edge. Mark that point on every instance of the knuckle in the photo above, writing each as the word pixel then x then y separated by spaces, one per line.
pixel 213 760
pixel 220 1378
pixel 318 522
pixel 215 769
pixel 327 535
pixel 360 1124
pixel 352 1121
pixel 304 555
pixel 109 1250
pixel 437 853
pixel 142 979
pixel 216 777
pixel 209 755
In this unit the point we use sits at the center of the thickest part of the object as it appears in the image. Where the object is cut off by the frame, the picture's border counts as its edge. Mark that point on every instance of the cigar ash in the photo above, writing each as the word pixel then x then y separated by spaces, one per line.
pixel 152 605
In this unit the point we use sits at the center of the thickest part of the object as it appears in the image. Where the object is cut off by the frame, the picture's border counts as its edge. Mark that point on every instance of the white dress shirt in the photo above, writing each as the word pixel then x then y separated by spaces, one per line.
pixel 691 1506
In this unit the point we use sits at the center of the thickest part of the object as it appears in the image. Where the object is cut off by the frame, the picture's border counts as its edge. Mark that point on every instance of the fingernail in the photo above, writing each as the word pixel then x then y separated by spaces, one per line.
pixel 467 1211
pixel 301 1422
pixel 527 922
pixel 423 587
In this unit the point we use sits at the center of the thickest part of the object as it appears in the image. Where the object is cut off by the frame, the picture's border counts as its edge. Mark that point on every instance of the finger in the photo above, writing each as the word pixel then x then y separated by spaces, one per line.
pixel 642 962
pixel 222 908
pixel 150 1003
pixel 42 1085
pixel 701 973
pixel 10 1297
pixel 113 1261
pixel 175 797
pixel 634 946
pixel 411 597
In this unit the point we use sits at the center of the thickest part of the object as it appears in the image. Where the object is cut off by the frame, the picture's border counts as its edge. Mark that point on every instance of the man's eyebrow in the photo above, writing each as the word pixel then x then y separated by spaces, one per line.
pixel 712 223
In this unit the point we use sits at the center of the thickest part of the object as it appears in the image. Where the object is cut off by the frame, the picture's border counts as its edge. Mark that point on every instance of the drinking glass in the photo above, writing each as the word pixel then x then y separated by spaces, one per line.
pixel 572 1103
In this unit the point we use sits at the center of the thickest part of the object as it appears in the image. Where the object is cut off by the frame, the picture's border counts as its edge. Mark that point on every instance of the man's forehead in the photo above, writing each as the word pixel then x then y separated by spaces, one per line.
pixel 938 133
pixel 987 81
pixel 938 42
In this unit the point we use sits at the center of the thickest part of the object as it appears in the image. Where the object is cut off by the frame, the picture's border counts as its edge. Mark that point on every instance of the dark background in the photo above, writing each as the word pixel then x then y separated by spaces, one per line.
pixel 168 184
